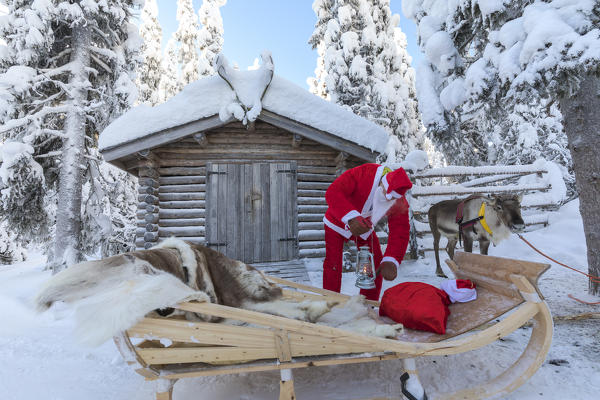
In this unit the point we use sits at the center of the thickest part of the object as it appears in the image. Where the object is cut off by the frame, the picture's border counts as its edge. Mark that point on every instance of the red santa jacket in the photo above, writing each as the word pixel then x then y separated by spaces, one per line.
pixel 351 195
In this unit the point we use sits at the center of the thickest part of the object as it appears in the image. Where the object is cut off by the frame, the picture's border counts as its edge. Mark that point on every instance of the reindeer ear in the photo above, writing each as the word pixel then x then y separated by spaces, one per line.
pixel 520 197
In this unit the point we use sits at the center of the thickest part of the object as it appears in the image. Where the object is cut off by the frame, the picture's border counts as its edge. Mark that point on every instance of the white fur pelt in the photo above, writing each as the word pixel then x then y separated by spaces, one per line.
pixel 356 316
pixel 108 303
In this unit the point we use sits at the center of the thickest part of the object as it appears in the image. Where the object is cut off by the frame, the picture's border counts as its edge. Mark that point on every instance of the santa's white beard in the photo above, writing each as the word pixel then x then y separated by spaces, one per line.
pixel 381 205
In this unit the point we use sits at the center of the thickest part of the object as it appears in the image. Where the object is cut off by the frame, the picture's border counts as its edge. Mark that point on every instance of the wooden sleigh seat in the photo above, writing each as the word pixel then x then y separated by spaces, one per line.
pixel 507 289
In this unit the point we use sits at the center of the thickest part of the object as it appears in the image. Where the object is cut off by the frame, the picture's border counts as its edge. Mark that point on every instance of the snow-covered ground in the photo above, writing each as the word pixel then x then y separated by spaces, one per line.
pixel 41 360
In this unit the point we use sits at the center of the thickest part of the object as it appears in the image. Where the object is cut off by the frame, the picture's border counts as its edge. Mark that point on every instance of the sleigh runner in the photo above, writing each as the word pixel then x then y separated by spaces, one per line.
pixel 204 349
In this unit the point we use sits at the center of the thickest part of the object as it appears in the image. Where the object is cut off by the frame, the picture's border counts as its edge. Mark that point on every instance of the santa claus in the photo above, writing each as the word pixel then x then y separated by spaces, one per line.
pixel 358 199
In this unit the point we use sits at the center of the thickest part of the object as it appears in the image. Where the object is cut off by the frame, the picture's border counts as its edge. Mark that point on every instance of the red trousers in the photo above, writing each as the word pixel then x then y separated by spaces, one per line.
pixel 332 265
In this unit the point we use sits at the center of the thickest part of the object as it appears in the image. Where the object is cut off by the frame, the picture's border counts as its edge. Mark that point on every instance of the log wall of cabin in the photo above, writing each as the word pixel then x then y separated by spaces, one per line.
pixel 181 171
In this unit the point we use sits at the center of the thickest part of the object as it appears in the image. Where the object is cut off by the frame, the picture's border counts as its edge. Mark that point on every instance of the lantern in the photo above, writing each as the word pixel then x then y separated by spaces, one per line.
pixel 365 269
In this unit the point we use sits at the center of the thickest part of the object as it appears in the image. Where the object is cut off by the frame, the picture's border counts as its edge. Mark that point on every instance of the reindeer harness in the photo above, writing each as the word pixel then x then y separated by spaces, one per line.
pixel 472 222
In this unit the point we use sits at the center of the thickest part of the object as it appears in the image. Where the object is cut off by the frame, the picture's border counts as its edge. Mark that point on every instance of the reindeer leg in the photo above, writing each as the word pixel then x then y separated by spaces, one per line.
pixel 436 249
pixel 451 247
pixel 484 245
pixel 468 243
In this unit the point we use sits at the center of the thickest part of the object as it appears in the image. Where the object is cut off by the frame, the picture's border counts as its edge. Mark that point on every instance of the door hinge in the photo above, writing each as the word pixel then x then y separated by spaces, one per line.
pixel 216 172
pixel 216 244
pixel 288 239
pixel 289 171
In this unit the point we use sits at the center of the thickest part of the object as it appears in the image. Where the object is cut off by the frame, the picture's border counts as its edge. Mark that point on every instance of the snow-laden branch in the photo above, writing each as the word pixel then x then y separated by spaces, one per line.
pixel 17 123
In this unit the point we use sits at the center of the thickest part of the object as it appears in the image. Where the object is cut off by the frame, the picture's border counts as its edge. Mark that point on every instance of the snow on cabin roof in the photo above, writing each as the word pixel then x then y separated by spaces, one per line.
pixel 210 96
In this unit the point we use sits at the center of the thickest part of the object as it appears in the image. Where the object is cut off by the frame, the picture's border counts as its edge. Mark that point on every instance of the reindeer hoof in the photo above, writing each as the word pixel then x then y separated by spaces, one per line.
pixel 441 275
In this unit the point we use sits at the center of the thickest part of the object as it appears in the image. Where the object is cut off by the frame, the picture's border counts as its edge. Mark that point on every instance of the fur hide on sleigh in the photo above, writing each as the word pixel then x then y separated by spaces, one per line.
pixel 113 294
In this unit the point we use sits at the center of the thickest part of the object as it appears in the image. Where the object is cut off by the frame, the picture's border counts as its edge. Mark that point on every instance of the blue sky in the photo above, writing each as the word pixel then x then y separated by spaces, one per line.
pixel 281 26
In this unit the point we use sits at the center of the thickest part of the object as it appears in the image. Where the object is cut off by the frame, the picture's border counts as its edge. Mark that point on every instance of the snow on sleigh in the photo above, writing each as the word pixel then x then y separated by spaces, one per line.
pixel 507 293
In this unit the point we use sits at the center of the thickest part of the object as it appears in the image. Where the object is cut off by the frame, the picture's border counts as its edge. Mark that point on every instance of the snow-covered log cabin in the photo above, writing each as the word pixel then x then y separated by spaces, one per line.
pixel 239 162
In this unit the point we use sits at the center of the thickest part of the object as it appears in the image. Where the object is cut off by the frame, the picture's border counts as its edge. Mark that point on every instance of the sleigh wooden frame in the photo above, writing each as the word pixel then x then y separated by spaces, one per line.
pixel 204 349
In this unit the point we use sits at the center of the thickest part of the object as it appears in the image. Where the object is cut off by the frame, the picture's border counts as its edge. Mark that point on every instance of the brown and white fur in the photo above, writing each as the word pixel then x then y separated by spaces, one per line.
pixel 502 214
pixel 207 274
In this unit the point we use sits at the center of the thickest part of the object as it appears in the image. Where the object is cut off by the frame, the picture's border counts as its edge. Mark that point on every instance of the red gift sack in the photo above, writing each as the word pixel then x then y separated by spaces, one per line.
pixel 416 305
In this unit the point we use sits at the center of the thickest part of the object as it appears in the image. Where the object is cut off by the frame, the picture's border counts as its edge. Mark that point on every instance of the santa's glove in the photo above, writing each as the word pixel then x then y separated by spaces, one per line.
pixel 359 225
pixel 387 269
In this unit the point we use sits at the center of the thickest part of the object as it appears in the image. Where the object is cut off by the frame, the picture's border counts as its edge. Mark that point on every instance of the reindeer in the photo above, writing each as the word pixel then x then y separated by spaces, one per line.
pixel 484 218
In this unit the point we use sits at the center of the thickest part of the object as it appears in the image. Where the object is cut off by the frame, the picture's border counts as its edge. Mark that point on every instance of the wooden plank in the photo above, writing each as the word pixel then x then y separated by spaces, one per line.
pixel 303 226
pixel 255 217
pixel 222 200
pixel 313 185
pixel 202 333
pixel 273 366
pixel 310 209
pixel 182 204
pixel 247 196
pixel 266 214
pixel 180 173
pixel 182 196
pixel 317 135
pixel 282 345
pixel 312 245
pixel 316 178
pixel 182 213
pixel 182 188
pixel 205 354
pixel 182 222
pixel 311 193
pixel 194 231
pixel 183 180
pixel 316 170
pixel 162 137
pixel 275 209
pixel 310 217
pixel 421 191
pixel 315 201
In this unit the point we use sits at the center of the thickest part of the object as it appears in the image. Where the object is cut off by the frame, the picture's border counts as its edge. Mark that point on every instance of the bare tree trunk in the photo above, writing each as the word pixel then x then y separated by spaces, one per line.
pixel 68 217
pixel 581 115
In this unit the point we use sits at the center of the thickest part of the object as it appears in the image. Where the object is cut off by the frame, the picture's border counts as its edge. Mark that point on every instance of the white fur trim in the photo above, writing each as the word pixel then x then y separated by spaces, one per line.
pixel 188 257
pixel 461 295
pixel 344 232
pixel 352 214
pixel 391 259
pixel 369 203
pixel 366 235
pixel 385 183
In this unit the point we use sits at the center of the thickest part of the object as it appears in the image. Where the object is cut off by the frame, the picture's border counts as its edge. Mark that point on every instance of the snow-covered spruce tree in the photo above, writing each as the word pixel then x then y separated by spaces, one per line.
pixel 23 200
pixel 363 67
pixel 10 249
pixel 150 71
pixel 187 37
pixel 210 38
pixel 170 83
pixel 67 70
pixel 324 9
pixel 316 84
pixel 547 48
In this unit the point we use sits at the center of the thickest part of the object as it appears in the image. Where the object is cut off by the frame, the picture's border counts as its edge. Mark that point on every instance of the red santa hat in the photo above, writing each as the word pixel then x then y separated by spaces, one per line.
pixel 459 290
pixel 396 183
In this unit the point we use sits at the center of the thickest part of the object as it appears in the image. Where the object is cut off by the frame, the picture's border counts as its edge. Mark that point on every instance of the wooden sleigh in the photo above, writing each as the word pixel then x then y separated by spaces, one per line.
pixel 203 349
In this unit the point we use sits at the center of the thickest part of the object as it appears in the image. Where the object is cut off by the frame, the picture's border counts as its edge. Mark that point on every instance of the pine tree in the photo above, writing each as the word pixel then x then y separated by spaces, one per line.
pixel 67 70
pixel 150 71
pixel 210 38
pixel 187 37
pixel 170 83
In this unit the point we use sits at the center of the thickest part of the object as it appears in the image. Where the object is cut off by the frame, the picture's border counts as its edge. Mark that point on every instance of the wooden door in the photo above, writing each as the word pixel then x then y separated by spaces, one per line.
pixel 251 210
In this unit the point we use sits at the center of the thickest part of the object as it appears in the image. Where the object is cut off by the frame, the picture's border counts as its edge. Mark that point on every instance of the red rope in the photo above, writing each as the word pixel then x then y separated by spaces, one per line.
pixel 592 278
pixel 584 302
